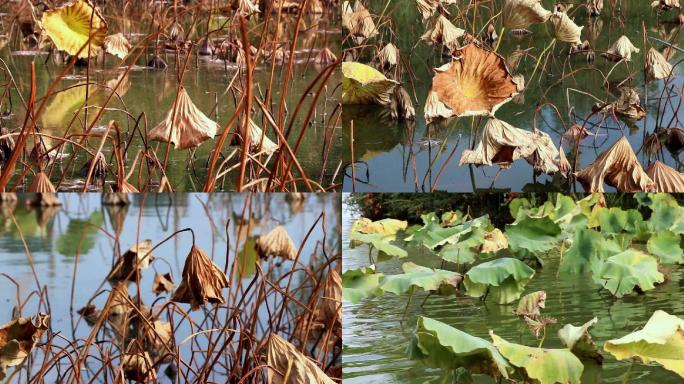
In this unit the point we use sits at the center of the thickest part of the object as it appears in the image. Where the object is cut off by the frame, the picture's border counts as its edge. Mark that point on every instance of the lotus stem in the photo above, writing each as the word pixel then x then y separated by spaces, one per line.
pixel 625 380
pixel 541 342
pixel 536 66
pixel 501 34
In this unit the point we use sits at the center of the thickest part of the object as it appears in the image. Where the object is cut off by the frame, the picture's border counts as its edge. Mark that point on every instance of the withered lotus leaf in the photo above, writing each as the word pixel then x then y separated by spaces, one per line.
pixel 158 337
pixel 43 192
pixel 191 127
pixel 89 313
pixel 434 109
pixel 358 20
pixel 120 300
pixel 325 56
pixel 665 5
pixel 388 55
pixel 69 27
pixel 618 167
pixel 443 32
pixel 18 338
pixel 246 7
pixel 276 243
pixel 138 366
pixel 289 366
pixel 520 14
pixel 259 142
pixel 401 106
pixel 666 178
pixel 332 298
pixel 477 82
pixel 576 132
pixel 117 45
pixel 427 7
pixel 135 259
pixel 363 84
pixel 564 166
pixel 657 66
pixel 202 281
pixel 565 29
pixel 544 158
pixel 162 283
pixel 502 143
pixel 629 105
pixel 622 49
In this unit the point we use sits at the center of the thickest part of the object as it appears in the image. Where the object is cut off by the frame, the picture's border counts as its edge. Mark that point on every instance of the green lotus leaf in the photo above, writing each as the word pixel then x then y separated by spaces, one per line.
pixel 579 341
pixel 451 218
pixel 616 221
pixel 433 235
pixel 363 84
pixel 505 279
pixel 665 245
pixel 69 27
pixel 546 366
pixel 519 207
pixel 666 212
pixel 361 283
pixel 418 276
pixel 660 341
pixel 588 247
pixel 443 346
pixel 533 234
pixel 381 242
pixel 466 249
pixel 623 273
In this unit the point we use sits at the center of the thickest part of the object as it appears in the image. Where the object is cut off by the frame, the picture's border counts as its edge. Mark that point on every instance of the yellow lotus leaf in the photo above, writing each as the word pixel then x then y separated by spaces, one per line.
pixel 618 167
pixel 622 49
pixel 565 29
pixel 188 129
pixel 443 32
pixel 363 84
pixel 476 83
pixel 69 27
pixel 520 14
pixel 386 227
pixel 117 45
pixel 666 178
pixel 660 341
pixel 18 338
pixel 657 66
pixel 291 366
pixel 65 103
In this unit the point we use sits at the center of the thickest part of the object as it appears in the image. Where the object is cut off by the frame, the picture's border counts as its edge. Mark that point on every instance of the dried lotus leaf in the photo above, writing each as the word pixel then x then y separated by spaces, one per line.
pixel 162 283
pixel 520 14
pixel 285 359
pixel 69 28
pixel 18 338
pixel 202 281
pixel 666 178
pixel 276 243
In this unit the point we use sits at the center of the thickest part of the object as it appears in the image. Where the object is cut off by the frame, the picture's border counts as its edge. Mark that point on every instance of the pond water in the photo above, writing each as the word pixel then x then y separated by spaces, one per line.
pixel 59 237
pixel 377 334
pixel 153 92
pixel 394 157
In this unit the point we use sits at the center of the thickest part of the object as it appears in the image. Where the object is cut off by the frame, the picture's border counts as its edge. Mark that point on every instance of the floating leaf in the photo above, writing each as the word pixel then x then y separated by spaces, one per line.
pixel 446 347
pixel 358 284
pixel 504 279
pixel 465 250
pixel 418 276
pixel 661 341
pixel 69 27
pixel 547 366
pixel 588 247
pixel 623 273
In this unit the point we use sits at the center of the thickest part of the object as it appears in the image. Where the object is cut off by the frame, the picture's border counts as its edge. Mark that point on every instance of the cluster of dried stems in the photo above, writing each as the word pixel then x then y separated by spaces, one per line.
pixel 281 325
pixel 121 156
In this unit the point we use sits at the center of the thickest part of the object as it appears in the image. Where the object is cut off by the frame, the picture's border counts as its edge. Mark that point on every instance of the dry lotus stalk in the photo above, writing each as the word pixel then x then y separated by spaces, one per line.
pixel 618 167
pixel 191 127
pixel 276 243
pixel 435 109
pixel 443 32
pixel 202 281
pixel 162 283
pixel 18 338
pixel 657 66
pixel 69 28
pixel 622 49
pixel 285 359
pixel 117 45
pixel 358 20
pixel 388 56
pixel 363 84
pixel 502 143
pixel 401 106
pixel 477 83
pixel 666 178
pixel 520 14
pixel 565 29
pixel 138 366
pixel 332 298
pixel 325 56
pixel 129 265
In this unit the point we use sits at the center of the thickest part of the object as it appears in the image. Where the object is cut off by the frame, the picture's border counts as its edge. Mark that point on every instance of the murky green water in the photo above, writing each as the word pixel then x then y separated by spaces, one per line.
pixel 375 337
pixel 153 93
pixel 57 237
pixel 408 156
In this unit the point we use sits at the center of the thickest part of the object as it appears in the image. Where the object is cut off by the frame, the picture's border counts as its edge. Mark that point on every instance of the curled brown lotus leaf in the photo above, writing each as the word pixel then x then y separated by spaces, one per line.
pixel 129 265
pixel 501 143
pixel 575 133
pixel 138 366
pixel 276 243
pixel 434 109
pixel 565 29
pixel 120 301
pixel 162 283
pixel 289 366
pixel 544 158
pixel 89 314
pixel 520 14
pixel 331 306
pixel 618 167
pixel 117 45
pixel 202 281
pixel 358 20
pixel 401 106
pixel 258 141
pixel 476 83
pixel 665 5
pixel 666 178
pixel 158 338
pixel 564 166
pixel 628 104
pixel 18 338
pixel 531 304
pixel 427 7
pixel 43 192
pixel 657 66
pixel 188 129
pixel 246 7
pixel 622 49
pixel 388 56
pixel 443 32
pixel 594 7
